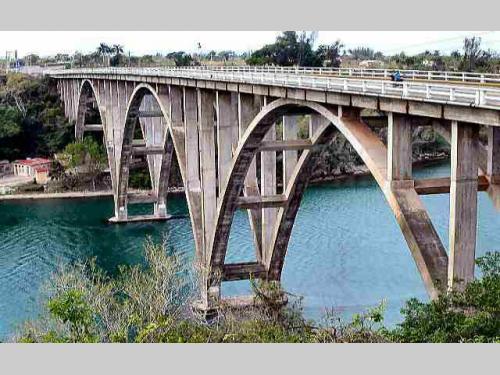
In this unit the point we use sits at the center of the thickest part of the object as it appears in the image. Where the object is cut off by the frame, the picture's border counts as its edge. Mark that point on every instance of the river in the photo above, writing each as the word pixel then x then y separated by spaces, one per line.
pixel 346 250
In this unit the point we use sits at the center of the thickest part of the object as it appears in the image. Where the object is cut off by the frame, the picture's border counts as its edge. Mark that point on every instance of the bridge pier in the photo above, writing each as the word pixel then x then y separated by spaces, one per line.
pixel 400 156
pixel 268 188
pixel 249 106
pixel 493 158
pixel 463 204
pixel 190 159
pixel 290 157
pixel 206 100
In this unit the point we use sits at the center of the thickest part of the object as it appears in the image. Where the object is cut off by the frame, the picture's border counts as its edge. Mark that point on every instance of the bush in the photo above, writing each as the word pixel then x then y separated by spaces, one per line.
pixel 151 303
pixel 85 305
pixel 469 316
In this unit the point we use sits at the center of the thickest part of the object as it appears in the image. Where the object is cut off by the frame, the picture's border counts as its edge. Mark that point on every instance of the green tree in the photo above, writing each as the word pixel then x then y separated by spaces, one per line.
pixel 72 309
pixel 362 53
pixel 88 156
pixel 474 57
pixel 10 122
pixel 104 51
pixel 330 54
pixel 117 58
pixel 32 121
pixel 180 58
pixel 289 49
pixel 469 316
pixel 31 59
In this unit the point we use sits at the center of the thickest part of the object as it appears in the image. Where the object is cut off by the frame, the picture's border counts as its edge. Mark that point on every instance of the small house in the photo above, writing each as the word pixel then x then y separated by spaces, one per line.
pixel 38 168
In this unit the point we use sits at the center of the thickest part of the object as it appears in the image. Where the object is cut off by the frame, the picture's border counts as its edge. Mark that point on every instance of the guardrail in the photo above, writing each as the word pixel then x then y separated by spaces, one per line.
pixel 468 95
pixel 428 75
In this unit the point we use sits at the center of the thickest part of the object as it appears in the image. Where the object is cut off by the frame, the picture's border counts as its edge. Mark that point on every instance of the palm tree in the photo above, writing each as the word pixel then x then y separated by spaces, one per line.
pixel 117 49
pixel 104 50
pixel 331 53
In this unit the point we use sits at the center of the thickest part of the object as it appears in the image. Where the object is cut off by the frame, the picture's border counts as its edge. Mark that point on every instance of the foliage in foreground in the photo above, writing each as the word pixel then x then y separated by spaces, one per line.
pixel 469 316
pixel 151 303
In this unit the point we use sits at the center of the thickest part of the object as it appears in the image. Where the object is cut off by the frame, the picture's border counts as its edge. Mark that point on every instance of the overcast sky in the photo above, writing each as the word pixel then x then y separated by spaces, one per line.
pixel 150 42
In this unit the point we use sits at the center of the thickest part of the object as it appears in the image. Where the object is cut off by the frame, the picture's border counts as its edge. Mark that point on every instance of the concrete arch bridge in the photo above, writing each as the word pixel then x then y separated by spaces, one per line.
pixel 221 126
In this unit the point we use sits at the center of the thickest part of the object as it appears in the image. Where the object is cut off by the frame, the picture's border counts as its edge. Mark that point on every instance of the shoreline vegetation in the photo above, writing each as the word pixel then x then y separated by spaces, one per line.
pixel 152 303
pixel 358 173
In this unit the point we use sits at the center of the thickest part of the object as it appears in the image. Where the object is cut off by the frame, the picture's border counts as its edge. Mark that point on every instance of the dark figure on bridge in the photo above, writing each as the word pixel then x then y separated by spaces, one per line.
pixel 396 77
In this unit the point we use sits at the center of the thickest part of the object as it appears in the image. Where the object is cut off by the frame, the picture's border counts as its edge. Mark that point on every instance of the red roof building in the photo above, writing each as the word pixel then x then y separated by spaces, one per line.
pixel 30 167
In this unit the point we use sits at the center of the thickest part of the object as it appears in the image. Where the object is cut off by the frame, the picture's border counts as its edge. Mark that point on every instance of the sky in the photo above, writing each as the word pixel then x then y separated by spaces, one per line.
pixel 46 43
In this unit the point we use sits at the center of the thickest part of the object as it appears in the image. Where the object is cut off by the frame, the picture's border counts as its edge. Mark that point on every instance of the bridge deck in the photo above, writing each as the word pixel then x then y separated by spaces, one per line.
pixel 464 93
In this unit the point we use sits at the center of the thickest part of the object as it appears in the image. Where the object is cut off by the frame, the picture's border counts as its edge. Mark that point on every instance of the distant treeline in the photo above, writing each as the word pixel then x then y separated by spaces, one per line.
pixel 291 48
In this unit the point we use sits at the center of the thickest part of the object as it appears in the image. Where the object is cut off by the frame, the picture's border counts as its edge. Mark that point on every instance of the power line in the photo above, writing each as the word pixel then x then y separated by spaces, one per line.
pixel 434 42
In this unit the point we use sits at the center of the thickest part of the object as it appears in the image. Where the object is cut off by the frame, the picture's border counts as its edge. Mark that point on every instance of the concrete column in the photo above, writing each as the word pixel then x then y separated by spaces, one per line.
pixel 70 99
pixel 190 159
pixel 176 95
pixel 227 133
pixel 463 204
pixel 152 128
pixel 112 146
pixel 115 123
pixel 290 132
pixel 268 187
pixel 248 107
pixel 192 138
pixel 172 98
pixel 399 148
pixel 206 100
pixel 315 123
pixel 65 97
pixel 80 116
pixel 76 94
pixel 494 154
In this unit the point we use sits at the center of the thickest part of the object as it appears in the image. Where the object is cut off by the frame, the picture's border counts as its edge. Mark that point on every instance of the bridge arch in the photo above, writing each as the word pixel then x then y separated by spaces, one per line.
pixel 427 250
pixel 172 142
pixel 87 93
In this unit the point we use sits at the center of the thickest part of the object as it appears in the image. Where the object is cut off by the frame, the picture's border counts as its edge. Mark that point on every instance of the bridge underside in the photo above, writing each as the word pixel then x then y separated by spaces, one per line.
pixel 249 151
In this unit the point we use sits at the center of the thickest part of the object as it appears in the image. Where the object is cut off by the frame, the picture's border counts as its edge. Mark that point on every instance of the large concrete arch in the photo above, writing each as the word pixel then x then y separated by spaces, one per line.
pixel 87 92
pixel 417 228
pixel 173 142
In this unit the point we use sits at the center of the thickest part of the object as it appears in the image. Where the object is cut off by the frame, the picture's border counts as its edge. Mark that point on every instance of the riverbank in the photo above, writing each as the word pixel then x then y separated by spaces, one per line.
pixel 64 195
pixel 73 194
pixel 360 171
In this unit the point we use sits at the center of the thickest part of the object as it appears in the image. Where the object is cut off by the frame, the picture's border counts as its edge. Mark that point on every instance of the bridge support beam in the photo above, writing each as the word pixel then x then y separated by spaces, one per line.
pixel 206 100
pixel 290 157
pixel 316 122
pixel 463 204
pixel 268 188
pixel 191 157
pixel 227 133
pixel 399 147
pixel 493 168
pixel 249 106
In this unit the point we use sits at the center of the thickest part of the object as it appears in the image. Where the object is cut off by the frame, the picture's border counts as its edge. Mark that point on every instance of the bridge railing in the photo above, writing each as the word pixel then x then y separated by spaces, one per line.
pixel 428 75
pixel 470 95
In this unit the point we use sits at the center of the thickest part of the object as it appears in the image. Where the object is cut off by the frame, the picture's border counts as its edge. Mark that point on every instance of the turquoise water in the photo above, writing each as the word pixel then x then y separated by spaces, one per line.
pixel 346 250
